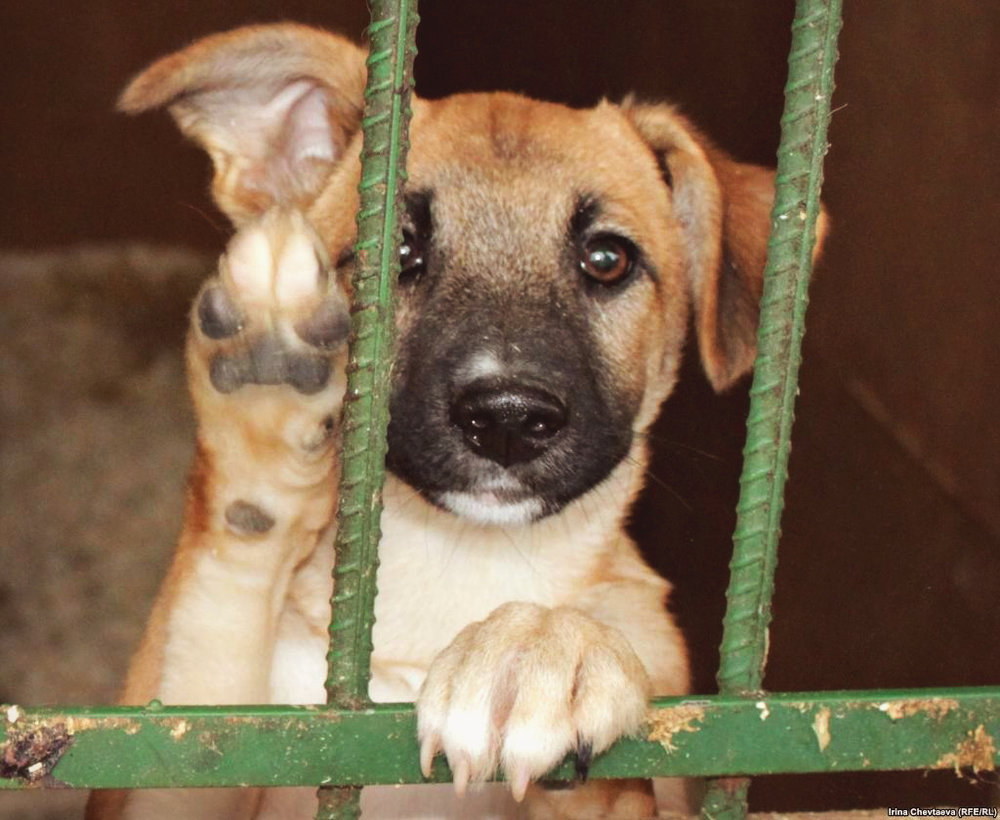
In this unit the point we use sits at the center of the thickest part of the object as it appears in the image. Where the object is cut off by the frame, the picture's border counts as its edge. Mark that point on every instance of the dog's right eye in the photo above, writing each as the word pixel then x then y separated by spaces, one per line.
pixel 412 261
pixel 607 259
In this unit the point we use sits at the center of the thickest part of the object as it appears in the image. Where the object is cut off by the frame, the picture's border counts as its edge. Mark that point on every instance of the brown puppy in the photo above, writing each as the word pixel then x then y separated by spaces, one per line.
pixel 551 260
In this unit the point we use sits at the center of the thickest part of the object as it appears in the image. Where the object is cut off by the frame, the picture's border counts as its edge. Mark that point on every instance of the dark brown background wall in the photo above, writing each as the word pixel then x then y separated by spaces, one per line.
pixel 890 565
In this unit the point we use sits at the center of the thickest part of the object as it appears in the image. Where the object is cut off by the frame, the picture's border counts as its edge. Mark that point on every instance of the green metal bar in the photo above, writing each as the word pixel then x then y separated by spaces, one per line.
pixel 782 324
pixel 106 747
pixel 782 316
pixel 392 36
pixel 366 404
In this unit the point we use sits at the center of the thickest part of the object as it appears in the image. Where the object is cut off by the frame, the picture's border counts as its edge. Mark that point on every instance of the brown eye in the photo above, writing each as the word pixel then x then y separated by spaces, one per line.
pixel 607 259
pixel 411 258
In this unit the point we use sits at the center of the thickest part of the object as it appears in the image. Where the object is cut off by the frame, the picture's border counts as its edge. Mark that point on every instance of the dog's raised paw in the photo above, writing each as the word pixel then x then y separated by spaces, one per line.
pixel 275 313
pixel 525 687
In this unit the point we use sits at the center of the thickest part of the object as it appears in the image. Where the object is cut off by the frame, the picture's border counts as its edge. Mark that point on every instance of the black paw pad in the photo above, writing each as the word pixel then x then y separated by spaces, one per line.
pixel 219 316
pixel 268 362
pixel 245 518
pixel 327 328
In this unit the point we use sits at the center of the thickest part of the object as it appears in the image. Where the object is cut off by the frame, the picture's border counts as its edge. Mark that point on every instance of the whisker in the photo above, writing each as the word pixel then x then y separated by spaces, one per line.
pixel 660 440
pixel 659 481
pixel 219 229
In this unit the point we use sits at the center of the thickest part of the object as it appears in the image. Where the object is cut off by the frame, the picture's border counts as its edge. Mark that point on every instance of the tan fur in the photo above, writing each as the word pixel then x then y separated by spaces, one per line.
pixel 557 626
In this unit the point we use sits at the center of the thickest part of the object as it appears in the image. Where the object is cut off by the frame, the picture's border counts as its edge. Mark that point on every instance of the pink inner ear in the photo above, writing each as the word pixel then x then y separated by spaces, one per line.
pixel 299 146
pixel 307 134
pixel 285 145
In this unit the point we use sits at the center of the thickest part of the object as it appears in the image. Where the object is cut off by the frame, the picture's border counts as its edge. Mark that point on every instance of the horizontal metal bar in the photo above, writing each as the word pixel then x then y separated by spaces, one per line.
pixel 159 746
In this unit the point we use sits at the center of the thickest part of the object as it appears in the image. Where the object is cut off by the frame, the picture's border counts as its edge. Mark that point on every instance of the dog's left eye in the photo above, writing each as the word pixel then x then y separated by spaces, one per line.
pixel 607 259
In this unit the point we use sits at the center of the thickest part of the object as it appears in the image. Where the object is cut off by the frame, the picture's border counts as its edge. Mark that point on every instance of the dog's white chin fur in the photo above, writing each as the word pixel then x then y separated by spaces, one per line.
pixel 488 508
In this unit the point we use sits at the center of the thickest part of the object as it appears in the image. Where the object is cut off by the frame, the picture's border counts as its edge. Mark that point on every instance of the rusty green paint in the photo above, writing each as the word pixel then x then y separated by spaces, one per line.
pixel 313 746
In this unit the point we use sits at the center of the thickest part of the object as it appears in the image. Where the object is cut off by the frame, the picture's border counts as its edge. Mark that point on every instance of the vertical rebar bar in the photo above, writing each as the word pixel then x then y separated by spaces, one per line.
pixel 775 383
pixel 385 125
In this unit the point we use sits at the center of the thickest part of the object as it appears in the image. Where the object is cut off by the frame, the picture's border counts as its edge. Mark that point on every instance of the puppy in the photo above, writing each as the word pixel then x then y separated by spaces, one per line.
pixel 551 260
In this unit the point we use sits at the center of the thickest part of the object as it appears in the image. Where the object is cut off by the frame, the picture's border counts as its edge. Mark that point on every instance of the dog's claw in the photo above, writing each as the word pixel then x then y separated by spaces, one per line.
pixel 428 749
pixel 461 773
pixel 519 782
pixel 584 756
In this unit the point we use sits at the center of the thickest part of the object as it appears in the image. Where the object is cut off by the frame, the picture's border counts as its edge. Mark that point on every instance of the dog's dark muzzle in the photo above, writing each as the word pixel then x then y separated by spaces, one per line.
pixel 507 400
pixel 508 423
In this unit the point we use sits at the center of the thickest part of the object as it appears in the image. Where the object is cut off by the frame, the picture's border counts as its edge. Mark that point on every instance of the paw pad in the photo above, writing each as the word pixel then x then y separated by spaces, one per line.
pixel 245 518
pixel 327 328
pixel 219 316
pixel 275 314
pixel 267 361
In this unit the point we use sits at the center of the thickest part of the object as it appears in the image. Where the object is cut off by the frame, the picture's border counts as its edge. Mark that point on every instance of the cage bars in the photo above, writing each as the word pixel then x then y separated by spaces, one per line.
pixel 804 124
pixel 366 413
pixel 385 126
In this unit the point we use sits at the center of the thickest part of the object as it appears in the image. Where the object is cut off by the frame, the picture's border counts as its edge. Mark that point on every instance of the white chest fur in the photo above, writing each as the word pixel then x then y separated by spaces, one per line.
pixel 437 574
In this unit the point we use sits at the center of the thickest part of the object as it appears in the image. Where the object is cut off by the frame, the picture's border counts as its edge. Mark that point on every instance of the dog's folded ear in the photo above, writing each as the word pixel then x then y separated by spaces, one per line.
pixel 275 107
pixel 724 208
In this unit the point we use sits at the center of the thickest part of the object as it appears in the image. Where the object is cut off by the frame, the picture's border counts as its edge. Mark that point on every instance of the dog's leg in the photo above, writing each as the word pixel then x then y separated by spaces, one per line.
pixel 267 393
pixel 266 373
pixel 530 683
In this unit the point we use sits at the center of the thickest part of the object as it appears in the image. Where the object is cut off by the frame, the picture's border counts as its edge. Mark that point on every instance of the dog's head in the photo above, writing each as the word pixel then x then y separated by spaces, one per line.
pixel 551 259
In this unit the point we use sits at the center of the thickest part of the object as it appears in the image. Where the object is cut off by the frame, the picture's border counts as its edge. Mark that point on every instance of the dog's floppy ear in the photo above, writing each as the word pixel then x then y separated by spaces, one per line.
pixel 724 208
pixel 274 106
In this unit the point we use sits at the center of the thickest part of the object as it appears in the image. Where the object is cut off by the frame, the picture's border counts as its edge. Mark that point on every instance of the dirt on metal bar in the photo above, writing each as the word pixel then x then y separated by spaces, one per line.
pixel 977 752
pixel 935 708
pixel 32 751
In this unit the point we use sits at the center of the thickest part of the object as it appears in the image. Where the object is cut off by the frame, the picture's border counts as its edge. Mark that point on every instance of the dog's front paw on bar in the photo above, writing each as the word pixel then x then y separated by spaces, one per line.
pixel 558 681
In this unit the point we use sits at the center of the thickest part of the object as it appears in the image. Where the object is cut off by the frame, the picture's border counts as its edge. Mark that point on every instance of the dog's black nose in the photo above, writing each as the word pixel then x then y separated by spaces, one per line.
pixel 508 424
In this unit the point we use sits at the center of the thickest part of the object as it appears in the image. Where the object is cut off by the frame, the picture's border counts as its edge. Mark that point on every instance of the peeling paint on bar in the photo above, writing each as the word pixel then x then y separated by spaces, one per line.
pixel 821 727
pixel 32 749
